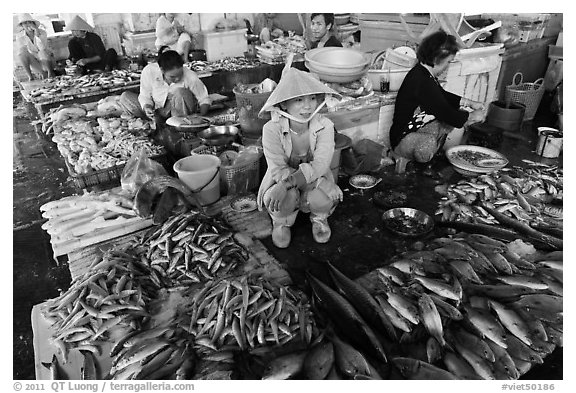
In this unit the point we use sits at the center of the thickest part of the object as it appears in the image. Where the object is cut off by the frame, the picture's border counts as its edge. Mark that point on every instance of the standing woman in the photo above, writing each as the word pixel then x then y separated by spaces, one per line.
pixel 169 32
pixel 424 112
pixel 87 49
pixel 167 88
pixel 32 44
pixel 320 26
pixel 298 145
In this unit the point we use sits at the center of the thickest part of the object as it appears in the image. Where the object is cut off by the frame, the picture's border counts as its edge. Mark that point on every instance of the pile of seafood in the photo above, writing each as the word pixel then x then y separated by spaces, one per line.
pixel 468 308
pixel 225 64
pixel 68 85
pixel 189 248
pixel 277 50
pixel 88 147
pixel 519 193
pixel 529 200
pixel 112 295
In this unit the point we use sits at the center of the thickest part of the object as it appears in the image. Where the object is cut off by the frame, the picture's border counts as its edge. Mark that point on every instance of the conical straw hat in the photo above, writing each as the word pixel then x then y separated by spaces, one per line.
pixel 78 24
pixel 295 83
pixel 26 18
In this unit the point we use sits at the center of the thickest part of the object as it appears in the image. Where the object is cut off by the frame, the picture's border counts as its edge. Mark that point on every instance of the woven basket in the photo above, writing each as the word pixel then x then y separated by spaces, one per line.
pixel 245 175
pixel 529 94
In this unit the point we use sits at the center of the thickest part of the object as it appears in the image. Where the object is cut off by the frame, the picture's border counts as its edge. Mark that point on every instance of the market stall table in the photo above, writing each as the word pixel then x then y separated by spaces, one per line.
pixel 47 94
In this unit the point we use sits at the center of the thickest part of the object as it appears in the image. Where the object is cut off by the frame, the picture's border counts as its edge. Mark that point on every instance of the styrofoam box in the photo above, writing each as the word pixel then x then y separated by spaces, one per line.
pixel 219 45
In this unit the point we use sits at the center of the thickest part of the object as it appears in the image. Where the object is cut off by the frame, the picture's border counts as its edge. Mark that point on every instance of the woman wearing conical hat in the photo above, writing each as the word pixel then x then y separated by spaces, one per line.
pixel 87 49
pixel 32 44
pixel 298 145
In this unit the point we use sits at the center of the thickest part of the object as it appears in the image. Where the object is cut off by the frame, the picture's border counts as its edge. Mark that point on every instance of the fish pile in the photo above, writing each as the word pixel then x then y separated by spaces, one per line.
pixel 114 293
pixel 246 313
pixel 157 353
pixel 473 307
pixel 189 248
pixel 520 193
pixel 78 216
pixel 67 85
pixel 87 147
pixel 225 64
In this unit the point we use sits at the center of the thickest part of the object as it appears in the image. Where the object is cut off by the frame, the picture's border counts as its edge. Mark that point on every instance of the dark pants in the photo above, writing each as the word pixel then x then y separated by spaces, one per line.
pixel 181 102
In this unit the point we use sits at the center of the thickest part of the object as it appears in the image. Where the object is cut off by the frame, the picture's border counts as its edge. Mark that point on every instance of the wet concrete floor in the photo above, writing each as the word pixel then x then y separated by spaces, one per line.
pixel 359 242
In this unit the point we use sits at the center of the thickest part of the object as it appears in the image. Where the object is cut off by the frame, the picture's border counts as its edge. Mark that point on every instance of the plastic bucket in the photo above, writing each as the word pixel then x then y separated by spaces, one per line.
pixel 508 117
pixel 549 142
pixel 200 172
pixel 341 142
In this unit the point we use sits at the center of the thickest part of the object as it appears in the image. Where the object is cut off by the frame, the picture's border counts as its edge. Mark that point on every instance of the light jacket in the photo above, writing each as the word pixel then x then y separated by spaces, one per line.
pixel 154 89
pixel 277 144
pixel 37 48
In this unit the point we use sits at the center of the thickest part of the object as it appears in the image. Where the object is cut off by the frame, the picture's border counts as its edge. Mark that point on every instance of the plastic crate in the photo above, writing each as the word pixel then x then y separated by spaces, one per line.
pixel 229 174
pixel 104 178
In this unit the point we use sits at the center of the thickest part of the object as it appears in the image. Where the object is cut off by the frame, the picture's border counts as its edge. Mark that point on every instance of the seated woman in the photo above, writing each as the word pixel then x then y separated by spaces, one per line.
pixel 167 88
pixel 424 112
pixel 169 32
pixel 320 26
pixel 32 44
pixel 87 49
pixel 298 145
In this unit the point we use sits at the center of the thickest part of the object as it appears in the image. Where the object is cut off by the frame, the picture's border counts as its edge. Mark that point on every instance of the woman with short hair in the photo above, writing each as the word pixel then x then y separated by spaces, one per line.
pixel 424 112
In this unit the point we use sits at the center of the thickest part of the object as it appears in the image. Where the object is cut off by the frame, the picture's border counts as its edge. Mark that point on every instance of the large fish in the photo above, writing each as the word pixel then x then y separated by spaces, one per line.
pixel 464 269
pixel 363 301
pixel 393 274
pixel 500 263
pixel 523 281
pixel 404 306
pixel 433 350
pixel 535 326
pixel 471 341
pixel 556 336
pixel 319 361
pixel 512 321
pixel 504 366
pixel 486 324
pixel 550 303
pixel 417 369
pixel 347 318
pixel 481 366
pixel 518 350
pixel 445 308
pixel 458 366
pixel 349 360
pixel 499 291
pixel 397 320
pixel 440 288
pixel 431 318
pixel 286 366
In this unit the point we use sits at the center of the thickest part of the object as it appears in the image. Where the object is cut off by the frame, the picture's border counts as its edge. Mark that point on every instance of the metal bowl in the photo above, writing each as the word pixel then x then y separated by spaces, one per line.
pixel 407 222
pixel 218 135
pixel 192 123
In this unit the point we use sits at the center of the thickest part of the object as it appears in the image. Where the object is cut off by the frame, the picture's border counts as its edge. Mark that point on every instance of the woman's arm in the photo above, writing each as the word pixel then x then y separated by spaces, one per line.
pixel 276 157
pixel 442 104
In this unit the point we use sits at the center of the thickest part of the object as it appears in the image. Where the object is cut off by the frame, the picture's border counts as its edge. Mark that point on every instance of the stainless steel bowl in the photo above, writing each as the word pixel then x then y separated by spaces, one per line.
pixel 407 222
pixel 218 135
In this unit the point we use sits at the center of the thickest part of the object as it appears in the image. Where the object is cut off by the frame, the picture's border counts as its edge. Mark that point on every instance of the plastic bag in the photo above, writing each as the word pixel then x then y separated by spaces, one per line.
pixel 364 157
pixel 138 170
